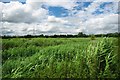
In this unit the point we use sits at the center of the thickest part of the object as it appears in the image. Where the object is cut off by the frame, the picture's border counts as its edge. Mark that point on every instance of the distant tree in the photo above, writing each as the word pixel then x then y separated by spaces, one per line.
pixel 81 34
pixel 28 36
pixel 41 35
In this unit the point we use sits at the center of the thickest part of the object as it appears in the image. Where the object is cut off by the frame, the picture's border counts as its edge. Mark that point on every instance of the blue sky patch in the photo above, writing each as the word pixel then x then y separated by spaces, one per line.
pixel 101 8
pixel 58 11
pixel 104 4
pixel 97 12
pixel 84 5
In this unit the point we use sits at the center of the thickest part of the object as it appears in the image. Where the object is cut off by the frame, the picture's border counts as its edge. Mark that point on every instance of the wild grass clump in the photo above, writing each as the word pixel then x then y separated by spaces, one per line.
pixel 92 37
pixel 100 59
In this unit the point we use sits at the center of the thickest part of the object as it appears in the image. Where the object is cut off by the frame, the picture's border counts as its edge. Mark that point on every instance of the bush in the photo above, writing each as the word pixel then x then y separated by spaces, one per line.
pixel 92 37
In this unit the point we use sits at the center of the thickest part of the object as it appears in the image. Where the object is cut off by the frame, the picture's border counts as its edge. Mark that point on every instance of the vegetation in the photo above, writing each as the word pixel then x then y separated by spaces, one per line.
pixel 92 37
pixel 79 35
pixel 60 58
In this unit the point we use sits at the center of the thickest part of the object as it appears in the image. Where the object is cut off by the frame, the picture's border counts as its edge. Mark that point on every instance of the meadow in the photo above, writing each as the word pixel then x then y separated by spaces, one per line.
pixel 59 58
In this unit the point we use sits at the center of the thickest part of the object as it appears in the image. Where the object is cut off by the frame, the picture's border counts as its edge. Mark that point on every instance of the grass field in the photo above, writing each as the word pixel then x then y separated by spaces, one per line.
pixel 59 58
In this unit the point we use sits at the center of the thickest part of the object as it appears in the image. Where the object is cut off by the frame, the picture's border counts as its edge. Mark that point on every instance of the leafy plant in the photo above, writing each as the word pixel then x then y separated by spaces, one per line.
pixel 92 37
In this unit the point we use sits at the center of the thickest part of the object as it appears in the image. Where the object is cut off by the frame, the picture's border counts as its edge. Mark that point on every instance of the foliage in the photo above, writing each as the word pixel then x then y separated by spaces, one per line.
pixel 92 37
pixel 59 58
pixel 80 34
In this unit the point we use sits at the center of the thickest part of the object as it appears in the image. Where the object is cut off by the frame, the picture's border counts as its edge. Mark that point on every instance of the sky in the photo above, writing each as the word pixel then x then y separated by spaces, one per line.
pixel 35 17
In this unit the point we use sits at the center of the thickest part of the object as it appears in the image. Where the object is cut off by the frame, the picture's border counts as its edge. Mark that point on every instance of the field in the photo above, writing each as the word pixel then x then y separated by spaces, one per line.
pixel 59 58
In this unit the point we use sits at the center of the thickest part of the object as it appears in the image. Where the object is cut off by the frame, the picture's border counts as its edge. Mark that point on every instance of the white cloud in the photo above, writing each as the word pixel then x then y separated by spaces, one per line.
pixel 91 8
pixel 56 20
pixel 17 16
pixel 102 24
pixel 68 4
pixel 22 13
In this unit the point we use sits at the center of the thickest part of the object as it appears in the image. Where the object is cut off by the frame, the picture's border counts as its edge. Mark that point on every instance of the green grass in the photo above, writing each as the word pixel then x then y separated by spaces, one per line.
pixel 59 58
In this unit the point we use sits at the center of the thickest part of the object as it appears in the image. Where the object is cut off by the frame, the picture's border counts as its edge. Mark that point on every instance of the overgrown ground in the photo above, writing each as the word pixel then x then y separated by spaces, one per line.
pixel 59 58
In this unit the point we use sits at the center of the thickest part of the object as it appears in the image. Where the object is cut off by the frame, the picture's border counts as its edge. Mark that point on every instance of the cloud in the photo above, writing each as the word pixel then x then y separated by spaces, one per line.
pixel 102 24
pixel 53 19
pixel 68 4
pixel 16 12
pixel 23 19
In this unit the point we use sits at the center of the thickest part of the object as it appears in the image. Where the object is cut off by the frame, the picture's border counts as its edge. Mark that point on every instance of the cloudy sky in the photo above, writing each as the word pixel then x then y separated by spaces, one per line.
pixel 22 17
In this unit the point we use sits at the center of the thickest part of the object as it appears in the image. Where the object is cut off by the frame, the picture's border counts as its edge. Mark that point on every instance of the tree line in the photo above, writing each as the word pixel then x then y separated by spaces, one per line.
pixel 80 34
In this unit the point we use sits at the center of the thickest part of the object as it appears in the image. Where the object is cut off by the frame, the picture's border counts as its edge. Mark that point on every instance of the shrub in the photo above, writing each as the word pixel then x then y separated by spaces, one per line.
pixel 92 37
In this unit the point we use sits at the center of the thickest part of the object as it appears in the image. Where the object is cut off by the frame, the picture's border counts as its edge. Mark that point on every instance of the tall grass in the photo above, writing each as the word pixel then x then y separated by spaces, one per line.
pixel 100 59
pixel 68 58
